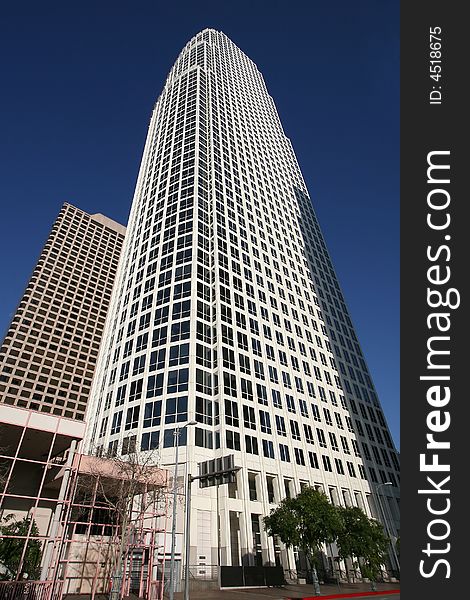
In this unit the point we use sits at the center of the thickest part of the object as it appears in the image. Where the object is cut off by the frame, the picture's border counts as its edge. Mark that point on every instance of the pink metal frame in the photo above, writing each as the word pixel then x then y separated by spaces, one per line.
pixel 103 539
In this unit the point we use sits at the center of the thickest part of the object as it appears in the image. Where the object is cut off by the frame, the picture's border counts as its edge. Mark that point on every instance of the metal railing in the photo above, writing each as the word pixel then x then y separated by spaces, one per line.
pixel 203 577
pixel 291 575
pixel 30 590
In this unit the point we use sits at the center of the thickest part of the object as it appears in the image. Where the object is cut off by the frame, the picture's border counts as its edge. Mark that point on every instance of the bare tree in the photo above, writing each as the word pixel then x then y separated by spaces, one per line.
pixel 4 470
pixel 131 489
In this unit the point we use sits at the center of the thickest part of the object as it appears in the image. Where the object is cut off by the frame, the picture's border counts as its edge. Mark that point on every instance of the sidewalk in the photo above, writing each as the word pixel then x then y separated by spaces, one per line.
pixel 295 591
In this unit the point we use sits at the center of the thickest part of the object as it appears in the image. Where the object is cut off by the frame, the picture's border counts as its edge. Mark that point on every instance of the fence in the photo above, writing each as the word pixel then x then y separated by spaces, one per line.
pixel 203 577
pixel 251 576
pixel 30 590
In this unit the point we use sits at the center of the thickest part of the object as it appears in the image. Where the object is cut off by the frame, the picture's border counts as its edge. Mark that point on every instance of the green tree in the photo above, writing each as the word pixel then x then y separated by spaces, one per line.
pixel 11 549
pixel 307 521
pixel 364 539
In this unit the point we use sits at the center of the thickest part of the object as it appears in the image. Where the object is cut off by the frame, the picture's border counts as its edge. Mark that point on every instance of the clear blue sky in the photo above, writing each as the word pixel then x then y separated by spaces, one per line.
pixel 79 81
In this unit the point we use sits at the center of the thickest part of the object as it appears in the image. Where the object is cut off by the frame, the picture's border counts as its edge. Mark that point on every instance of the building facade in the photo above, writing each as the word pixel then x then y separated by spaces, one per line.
pixel 227 312
pixel 49 353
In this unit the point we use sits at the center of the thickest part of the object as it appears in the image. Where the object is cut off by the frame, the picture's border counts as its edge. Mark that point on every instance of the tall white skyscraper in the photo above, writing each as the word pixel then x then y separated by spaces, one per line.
pixel 227 312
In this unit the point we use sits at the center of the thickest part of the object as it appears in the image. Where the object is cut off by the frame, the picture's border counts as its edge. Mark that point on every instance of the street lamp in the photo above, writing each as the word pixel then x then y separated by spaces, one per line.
pixel 176 434
pixel 385 522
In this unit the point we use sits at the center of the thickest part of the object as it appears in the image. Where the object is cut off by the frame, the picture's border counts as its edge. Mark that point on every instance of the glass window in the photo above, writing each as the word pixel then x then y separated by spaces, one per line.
pixel 177 381
pixel 176 410
pixel 153 414
pixel 150 440
pixel 169 437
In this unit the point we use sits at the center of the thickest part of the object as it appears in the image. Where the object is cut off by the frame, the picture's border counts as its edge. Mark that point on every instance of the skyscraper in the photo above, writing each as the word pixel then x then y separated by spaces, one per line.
pixel 49 353
pixel 227 312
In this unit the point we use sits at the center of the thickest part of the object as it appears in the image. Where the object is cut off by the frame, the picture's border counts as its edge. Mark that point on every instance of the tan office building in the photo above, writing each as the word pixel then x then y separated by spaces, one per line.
pixel 48 356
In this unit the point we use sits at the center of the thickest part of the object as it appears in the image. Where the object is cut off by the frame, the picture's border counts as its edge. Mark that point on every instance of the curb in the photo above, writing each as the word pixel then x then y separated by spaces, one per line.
pixel 352 595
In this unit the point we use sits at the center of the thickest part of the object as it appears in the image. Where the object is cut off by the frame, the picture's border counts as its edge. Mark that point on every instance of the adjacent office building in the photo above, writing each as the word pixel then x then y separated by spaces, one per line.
pixel 227 312
pixel 49 353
